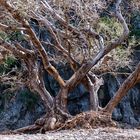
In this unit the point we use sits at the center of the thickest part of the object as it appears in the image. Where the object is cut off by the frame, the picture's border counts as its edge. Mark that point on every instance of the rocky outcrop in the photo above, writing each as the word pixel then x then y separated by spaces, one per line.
pixel 24 108
pixel 128 110
pixel 20 110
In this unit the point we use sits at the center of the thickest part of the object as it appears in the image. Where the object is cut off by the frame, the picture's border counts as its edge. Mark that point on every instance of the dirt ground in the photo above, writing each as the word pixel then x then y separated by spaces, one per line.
pixel 107 133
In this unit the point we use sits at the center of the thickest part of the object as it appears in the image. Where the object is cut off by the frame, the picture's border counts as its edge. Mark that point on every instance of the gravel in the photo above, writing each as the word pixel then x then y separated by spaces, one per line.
pixel 81 134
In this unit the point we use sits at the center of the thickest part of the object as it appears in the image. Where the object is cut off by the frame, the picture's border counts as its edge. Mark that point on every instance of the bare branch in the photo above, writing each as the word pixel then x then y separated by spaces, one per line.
pixel 84 69
pixel 48 67
pixel 11 48
pixel 24 50
pixel 6 28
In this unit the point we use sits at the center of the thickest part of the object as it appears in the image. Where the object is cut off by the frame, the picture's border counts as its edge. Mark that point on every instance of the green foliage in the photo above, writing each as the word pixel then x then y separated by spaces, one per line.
pixel 9 63
pixel 109 27
pixel 135 25
pixel 3 35
pixel 122 52
pixel 121 57
pixel 135 32
pixel 15 35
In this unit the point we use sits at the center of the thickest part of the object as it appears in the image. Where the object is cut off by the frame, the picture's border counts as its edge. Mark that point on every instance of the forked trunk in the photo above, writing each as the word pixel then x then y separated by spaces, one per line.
pixel 63 99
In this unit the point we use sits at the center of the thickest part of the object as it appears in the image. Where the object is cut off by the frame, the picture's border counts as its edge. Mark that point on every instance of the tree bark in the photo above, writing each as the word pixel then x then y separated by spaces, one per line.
pixel 93 90
pixel 63 99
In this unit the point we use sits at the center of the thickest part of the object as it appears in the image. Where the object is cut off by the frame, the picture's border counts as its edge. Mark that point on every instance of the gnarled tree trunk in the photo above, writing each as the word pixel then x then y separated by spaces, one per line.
pixel 58 115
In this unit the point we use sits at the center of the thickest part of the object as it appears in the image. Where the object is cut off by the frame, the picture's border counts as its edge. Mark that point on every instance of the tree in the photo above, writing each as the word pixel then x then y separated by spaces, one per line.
pixel 68 36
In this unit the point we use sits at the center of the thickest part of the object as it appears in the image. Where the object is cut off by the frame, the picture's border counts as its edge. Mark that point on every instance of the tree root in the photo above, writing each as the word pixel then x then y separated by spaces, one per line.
pixel 84 120
pixel 89 120
pixel 28 129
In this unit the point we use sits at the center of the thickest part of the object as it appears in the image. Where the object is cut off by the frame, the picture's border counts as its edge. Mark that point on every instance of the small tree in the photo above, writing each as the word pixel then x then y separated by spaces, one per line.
pixel 75 41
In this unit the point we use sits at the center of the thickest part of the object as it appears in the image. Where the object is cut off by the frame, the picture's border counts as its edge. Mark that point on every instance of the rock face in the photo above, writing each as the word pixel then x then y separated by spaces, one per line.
pixel 21 110
pixel 25 108
pixel 128 110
